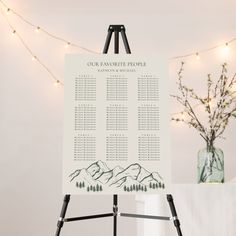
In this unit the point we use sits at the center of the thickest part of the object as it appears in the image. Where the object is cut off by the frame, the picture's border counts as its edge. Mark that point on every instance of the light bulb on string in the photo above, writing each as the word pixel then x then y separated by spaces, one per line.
pixel 56 83
pixel 234 87
pixel 212 103
pixel 8 10
pixel 67 45
pixel 226 46
pixel 37 30
pixel 233 90
pixel 197 56
pixel 13 32
pixel 34 58
pixel 225 50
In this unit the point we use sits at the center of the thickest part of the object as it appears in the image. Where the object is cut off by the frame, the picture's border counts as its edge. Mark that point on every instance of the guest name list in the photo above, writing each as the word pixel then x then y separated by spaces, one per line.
pixel 116 125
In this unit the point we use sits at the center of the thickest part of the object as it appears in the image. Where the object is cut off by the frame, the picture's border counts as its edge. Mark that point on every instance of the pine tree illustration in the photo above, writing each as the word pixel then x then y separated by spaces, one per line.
pixel 80 185
pixel 97 187
pixel 136 188
pixel 145 188
pixel 125 189
pixel 150 185
pixel 77 185
pixel 100 188
pixel 91 187
pixel 88 189
pixel 153 186
pixel 142 188
pixel 156 185
pixel 163 185
pixel 160 185
pixel 83 185
pixel 94 188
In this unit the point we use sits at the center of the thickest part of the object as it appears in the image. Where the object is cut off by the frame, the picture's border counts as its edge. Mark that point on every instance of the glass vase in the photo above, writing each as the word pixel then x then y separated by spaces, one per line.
pixel 210 165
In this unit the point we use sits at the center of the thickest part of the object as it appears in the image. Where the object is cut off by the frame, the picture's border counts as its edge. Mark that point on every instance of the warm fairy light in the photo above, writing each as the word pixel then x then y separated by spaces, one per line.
pixel 197 56
pixel 8 10
pixel 37 30
pixel 227 46
pixel 67 45
pixel 13 11
pixel 56 83
pixel 182 115
pixel 212 103
pixel 234 87
pixel 33 57
pixel 225 50
pixel 233 90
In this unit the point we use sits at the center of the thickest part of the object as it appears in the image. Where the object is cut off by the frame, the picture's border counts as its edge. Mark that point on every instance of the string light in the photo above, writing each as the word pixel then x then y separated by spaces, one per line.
pixel 37 30
pixel 227 46
pixel 225 50
pixel 41 29
pixel 197 56
pixel 33 57
pixel 92 51
pixel 184 113
pixel 56 83
pixel 234 87
pixel 210 104
pixel 67 45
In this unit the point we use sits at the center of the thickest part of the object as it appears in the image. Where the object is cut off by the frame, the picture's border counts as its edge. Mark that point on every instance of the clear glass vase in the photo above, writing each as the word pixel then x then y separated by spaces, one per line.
pixel 210 165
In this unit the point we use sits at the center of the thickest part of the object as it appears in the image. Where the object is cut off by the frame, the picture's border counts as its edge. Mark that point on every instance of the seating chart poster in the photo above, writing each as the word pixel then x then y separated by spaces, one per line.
pixel 116 125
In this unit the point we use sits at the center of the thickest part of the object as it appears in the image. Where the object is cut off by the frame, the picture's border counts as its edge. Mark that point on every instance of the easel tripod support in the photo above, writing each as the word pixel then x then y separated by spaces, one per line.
pixel 117 29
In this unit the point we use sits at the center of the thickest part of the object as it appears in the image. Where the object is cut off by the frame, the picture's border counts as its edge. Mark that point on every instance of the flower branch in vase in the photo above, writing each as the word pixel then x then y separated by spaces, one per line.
pixel 219 104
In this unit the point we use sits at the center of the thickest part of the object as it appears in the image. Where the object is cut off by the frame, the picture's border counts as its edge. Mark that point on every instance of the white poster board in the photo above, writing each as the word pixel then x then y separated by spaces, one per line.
pixel 116 126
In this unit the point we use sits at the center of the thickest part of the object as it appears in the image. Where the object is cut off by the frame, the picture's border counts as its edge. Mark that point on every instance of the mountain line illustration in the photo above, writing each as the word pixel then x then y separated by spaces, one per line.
pixel 133 178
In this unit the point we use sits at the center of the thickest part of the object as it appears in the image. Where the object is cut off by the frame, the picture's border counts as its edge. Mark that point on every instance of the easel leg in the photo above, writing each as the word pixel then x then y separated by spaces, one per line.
pixel 108 40
pixel 125 40
pixel 62 215
pixel 116 45
pixel 115 210
pixel 174 214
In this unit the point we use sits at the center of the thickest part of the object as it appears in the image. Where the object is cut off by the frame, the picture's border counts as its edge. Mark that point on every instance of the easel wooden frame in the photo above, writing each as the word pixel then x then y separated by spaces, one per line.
pixel 117 29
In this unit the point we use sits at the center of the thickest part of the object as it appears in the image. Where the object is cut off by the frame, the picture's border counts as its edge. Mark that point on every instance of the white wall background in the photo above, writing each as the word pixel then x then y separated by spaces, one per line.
pixel 31 117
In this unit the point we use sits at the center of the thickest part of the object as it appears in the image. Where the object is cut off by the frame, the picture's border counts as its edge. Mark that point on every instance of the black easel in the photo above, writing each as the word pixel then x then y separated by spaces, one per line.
pixel 117 29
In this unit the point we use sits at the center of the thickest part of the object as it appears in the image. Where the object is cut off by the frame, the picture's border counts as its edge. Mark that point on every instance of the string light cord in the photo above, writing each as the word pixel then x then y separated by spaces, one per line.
pixel 56 80
pixel 69 43
pixel 204 50
pixel 41 29
pixel 184 112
